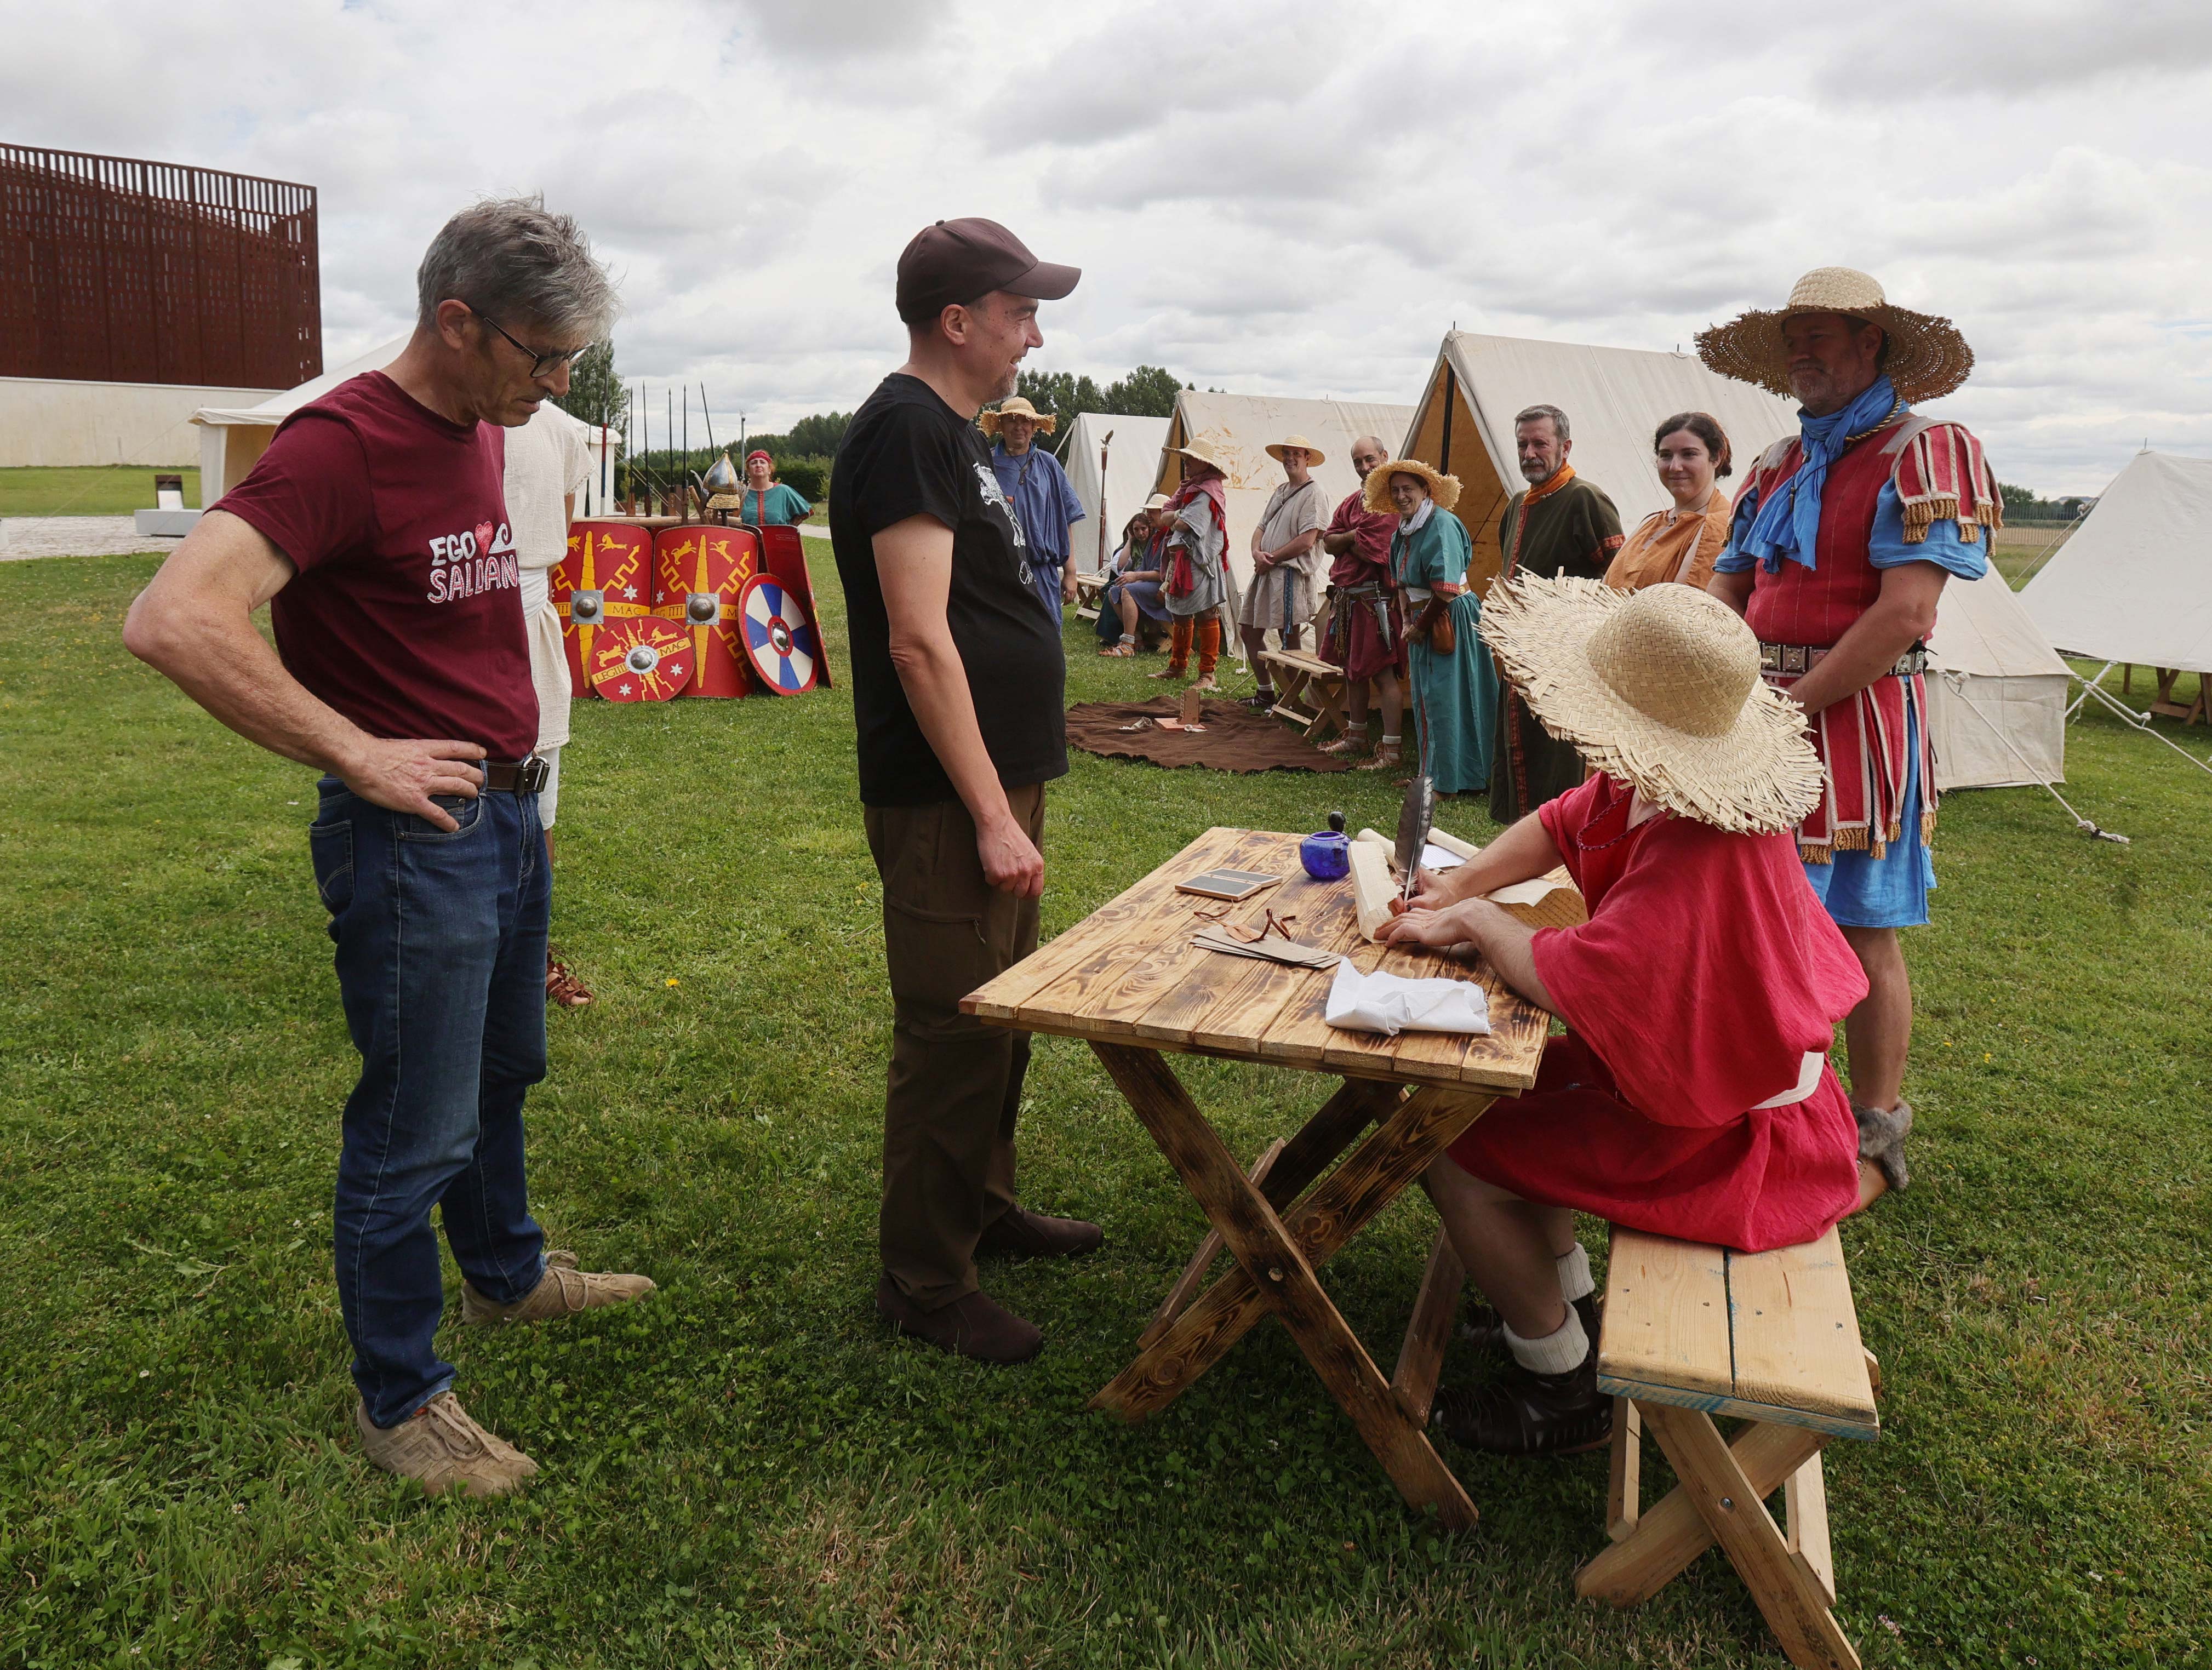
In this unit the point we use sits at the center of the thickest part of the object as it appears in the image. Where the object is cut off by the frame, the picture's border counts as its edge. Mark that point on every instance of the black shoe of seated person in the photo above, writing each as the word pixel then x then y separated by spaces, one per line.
pixel 1485 1329
pixel 1021 1233
pixel 1526 1413
pixel 974 1326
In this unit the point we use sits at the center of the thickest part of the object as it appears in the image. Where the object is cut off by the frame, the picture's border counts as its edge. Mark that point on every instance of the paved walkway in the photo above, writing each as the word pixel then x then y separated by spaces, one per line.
pixel 24 536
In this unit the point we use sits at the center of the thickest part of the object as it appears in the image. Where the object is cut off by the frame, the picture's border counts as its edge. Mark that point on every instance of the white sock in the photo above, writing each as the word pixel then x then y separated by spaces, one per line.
pixel 1555 1353
pixel 1575 1279
pixel 1389 739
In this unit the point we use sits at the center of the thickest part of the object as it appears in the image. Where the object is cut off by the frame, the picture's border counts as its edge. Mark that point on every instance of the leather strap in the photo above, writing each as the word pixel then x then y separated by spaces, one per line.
pixel 515 777
pixel 1794 660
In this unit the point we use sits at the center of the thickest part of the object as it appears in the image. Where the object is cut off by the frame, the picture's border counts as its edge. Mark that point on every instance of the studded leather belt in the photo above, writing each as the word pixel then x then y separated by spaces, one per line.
pixel 515 777
pixel 1794 661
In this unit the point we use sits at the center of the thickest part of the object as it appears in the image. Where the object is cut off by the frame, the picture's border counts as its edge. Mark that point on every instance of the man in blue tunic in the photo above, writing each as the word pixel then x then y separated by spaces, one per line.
pixel 1044 502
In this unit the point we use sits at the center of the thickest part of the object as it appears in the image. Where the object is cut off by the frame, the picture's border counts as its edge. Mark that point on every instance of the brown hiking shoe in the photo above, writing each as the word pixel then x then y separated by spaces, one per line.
pixel 1032 1235
pixel 562 1291
pixel 441 1448
pixel 970 1327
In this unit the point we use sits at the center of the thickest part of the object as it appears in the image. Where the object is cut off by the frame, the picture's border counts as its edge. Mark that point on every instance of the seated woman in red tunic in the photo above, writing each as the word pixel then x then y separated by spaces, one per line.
pixel 1692 1095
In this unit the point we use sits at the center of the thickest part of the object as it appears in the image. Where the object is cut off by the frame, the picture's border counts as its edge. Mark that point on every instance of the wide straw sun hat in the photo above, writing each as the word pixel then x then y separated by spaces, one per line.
pixel 1016 407
pixel 1927 357
pixel 1204 450
pixel 1314 456
pixel 1376 495
pixel 1660 689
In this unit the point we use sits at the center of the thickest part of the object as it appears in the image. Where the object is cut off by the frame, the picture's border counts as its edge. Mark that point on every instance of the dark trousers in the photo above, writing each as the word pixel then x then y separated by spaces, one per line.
pixel 955 1082
pixel 441 969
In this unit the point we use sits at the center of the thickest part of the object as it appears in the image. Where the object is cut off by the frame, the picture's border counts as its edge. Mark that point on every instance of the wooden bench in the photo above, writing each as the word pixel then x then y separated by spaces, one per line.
pixel 1309 692
pixel 1089 595
pixel 1691 1332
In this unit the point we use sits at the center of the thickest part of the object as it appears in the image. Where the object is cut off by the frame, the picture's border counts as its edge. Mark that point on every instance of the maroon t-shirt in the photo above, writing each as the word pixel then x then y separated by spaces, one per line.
pixel 403 616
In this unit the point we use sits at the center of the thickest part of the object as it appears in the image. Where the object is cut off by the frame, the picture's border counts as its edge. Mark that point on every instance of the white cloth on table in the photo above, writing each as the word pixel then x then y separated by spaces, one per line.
pixel 548 458
pixel 1391 1004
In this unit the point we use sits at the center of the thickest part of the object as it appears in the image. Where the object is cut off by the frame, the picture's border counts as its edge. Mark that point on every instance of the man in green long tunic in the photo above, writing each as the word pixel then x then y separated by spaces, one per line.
pixel 1455 689
pixel 1558 524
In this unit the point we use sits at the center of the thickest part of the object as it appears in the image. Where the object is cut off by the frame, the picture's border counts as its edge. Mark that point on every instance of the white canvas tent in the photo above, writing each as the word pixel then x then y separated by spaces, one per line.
pixel 232 438
pixel 1244 425
pixel 2135 582
pixel 1132 462
pixel 1995 660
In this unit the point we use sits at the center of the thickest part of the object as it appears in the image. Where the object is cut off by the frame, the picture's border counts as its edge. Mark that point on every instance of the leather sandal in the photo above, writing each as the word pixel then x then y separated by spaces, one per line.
pixel 1526 1413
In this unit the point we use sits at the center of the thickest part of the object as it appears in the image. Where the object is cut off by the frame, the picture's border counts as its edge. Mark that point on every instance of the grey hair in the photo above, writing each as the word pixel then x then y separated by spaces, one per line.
pixel 1530 414
pixel 515 259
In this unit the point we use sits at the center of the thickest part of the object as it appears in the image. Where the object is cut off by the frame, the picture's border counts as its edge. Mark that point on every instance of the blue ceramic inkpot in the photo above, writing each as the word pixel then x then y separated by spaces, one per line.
pixel 1327 855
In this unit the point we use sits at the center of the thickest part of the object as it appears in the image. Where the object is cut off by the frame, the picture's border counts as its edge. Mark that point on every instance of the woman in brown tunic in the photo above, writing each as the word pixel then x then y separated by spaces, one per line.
pixel 1679 542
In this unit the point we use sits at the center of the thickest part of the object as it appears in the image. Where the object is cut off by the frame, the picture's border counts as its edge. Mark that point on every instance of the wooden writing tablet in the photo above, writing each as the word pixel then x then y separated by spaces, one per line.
pixel 1230 884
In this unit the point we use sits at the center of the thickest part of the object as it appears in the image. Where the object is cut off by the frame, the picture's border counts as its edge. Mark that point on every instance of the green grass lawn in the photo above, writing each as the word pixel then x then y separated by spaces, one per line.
pixel 749 1470
pixel 111 490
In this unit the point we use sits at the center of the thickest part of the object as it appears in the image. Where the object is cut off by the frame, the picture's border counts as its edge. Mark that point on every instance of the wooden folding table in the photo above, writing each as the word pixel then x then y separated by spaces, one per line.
pixel 1127 980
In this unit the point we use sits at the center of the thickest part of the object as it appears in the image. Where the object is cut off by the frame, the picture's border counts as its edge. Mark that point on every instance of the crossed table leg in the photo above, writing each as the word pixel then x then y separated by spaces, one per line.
pixel 1278 1246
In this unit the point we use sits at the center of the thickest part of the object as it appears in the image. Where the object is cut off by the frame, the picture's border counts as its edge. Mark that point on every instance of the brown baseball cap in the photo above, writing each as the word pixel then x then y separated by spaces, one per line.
pixel 956 262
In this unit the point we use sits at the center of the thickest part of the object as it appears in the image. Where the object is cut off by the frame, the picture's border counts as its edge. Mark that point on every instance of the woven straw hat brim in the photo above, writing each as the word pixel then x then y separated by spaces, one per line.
pixel 1759 777
pixel 1201 448
pixel 1047 422
pixel 1376 493
pixel 1314 456
pixel 1927 357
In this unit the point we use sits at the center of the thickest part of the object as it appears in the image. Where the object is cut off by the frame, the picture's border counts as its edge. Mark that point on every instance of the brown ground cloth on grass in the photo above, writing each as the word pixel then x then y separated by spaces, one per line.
pixel 1236 738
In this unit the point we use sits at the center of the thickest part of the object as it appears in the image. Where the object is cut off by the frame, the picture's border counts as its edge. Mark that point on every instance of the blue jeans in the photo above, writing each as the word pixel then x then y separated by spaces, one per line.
pixel 441 970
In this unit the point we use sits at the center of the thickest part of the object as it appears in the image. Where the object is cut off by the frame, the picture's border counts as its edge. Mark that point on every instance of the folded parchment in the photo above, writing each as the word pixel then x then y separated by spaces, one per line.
pixel 1391 1004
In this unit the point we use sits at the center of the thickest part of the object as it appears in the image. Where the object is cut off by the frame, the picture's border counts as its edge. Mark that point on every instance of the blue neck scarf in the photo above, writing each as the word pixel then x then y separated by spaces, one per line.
pixel 1789 524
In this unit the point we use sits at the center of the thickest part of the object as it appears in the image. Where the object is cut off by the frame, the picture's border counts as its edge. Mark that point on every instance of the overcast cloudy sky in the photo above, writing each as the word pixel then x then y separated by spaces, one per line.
pixel 1265 197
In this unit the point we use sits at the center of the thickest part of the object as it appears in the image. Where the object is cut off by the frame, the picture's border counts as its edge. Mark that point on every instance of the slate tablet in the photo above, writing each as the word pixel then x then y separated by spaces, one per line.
pixel 1230 884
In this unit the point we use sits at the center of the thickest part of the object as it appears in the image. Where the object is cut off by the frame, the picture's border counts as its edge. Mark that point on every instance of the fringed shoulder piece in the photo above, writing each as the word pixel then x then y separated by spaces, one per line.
pixel 1941 470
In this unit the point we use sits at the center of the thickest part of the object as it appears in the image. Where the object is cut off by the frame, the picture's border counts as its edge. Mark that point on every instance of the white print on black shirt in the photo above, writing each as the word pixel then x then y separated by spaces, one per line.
pixel 473 561
pixel 994 494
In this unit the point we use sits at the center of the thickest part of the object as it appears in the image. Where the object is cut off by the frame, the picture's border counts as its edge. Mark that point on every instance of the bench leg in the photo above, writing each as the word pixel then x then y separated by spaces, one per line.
pixel 1421 1358
pixel 1731 1506
pixel 1805 1504
pixel 1623 1490
pixel 1672 1533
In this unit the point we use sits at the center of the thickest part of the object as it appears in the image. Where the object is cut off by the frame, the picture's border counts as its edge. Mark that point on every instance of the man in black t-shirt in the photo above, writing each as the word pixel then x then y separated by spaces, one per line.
pixel 957 689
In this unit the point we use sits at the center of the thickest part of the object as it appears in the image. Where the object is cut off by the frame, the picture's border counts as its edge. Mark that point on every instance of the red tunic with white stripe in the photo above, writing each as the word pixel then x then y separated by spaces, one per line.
pixel 1706 975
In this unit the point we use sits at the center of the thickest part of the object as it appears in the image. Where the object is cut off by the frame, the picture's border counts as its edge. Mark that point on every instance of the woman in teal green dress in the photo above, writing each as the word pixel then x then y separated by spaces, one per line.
pixel 1455 690
pixel 766 502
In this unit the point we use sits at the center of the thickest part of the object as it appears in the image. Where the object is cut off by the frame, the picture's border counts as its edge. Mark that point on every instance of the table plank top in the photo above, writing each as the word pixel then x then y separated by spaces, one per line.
pixel 1129 973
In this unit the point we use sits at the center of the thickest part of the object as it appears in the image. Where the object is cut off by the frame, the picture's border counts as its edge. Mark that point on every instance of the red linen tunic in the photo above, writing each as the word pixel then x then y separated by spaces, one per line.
pixel 1706 973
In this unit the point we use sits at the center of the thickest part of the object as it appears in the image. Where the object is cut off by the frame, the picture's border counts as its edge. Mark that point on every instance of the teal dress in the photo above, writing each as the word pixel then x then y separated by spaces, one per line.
pixel 780 505
pixel 1454 696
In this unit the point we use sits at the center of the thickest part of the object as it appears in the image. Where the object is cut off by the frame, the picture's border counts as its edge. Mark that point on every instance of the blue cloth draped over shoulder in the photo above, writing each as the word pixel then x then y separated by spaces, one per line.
pixel 1788 527
pixel 1045 503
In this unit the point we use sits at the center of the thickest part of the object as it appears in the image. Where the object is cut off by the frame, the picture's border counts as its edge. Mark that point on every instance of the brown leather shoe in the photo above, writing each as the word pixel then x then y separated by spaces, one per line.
pixel 1024 1234
pixel 441 1450
pixel 970 1327
pixel 1525 1413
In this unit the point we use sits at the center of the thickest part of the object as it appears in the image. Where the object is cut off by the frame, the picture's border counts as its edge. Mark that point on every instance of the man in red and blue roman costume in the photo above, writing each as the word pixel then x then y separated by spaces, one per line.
pixel 1843 540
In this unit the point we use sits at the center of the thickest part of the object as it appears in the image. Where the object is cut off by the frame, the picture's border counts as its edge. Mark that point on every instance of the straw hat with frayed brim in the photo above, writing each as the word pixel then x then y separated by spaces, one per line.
pixel 1927 358
pixel 1443 489
pixel 1016 407
pixel 1314 456
pixel 1204 451
pixel 1660 689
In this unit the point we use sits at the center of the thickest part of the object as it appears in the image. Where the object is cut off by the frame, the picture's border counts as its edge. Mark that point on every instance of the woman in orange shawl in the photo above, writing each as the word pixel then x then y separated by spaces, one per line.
pixel 1679 542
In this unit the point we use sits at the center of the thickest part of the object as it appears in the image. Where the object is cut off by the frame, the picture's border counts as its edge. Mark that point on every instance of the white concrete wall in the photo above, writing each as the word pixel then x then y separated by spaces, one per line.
pixel 76 424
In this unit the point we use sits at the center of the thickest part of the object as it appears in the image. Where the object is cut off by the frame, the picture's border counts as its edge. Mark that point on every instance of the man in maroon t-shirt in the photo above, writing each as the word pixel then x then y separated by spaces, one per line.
pixel 375 528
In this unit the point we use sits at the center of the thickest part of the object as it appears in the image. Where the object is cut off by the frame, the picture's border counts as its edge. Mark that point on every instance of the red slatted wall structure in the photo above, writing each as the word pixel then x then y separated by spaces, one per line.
pixel 120 270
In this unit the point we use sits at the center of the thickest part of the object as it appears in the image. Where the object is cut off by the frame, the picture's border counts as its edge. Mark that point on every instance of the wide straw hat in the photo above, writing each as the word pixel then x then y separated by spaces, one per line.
pixel 1660 689
pixel 1158 501
pixel 1443 489
pixel 1927 358
pixel 1313 454
pixel 1203 449
pixel 1016 407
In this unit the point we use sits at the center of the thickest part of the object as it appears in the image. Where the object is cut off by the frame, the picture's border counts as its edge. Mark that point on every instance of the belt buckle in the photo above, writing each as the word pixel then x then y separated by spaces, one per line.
pixel 530 778
pixel 1794 661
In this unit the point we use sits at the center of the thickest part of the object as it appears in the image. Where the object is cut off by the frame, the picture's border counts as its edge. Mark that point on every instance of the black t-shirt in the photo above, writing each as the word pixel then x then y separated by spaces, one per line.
pixel 908 453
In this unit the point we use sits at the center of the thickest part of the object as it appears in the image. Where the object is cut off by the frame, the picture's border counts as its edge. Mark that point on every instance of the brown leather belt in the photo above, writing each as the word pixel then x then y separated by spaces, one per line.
pixel 1794 661
pixel 515 777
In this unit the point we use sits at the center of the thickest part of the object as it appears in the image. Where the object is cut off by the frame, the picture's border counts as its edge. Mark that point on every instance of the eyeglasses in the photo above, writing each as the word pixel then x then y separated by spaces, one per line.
pixel 539 363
